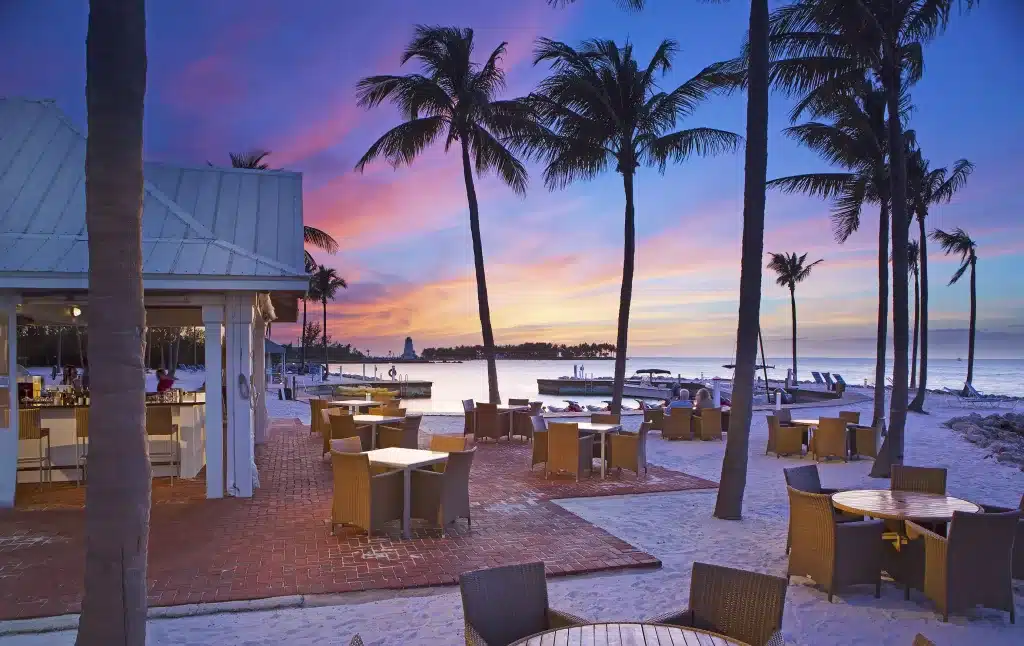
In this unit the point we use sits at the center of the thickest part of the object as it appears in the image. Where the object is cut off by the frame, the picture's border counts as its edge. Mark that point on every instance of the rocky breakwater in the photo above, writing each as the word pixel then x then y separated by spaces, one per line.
pixel 1001 435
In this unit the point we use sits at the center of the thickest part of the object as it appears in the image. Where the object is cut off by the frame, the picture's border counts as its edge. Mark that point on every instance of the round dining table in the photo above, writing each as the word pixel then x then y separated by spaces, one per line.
pixel 635 634
pixel 901 505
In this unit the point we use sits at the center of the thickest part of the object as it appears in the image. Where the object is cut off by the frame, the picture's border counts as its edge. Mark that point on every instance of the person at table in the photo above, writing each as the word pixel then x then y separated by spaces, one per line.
pixel 680 399
pixel 703 399
pixel 164 381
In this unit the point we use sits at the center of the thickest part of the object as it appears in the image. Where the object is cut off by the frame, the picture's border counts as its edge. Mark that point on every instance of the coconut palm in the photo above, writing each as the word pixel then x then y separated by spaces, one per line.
pixel 117 501
pixel 323 286
pixel 600 109
pixel 791 269
pixel 453 99
pixel 927 187
pixel 310 267
pixel 256 160
pixel 913 266
pixel 958 242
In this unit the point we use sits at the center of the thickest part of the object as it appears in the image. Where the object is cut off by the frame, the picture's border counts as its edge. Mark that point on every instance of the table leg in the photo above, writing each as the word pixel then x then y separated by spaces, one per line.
pixel 407 502
pixel 373 439
pixel 602 436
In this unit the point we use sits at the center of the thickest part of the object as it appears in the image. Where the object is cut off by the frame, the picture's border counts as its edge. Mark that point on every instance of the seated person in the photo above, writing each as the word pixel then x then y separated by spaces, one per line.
pixel 680 399
pixel 164 381
pixel 703 399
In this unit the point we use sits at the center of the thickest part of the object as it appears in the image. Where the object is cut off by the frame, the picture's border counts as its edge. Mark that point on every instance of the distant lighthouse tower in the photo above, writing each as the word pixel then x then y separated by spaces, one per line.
pixel 409 352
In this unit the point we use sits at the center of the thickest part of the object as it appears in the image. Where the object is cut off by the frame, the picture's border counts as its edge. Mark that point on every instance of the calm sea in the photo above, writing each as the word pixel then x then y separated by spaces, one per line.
pixel 454 382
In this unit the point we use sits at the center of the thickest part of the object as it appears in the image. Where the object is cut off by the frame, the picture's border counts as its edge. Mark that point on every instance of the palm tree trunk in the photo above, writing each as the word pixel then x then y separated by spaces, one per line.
pixel 917 324
pixel 625 293
pixel 974 320
pixel 302 337
pixel 882 329
pixel 922 384
pixel 117 500
pixel 481 278
pixel 326 363
pixel 792 301
pixel 729 504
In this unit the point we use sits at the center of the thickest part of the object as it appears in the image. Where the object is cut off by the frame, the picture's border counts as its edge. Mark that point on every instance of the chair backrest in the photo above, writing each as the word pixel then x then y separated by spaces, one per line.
pixel 921 640
pixel 830 437
pixel 316 405
pixel 469 408
pixel 979 553
pixel 519 402
pixel 851 416
pixel 804 478
pixel 839 379
pixel 828 378
pixel 159 420
pixel 535 407
pixel 351 475
pixel 487 421
pixel 812 531
pixel 457 468
pixel 30 424
pixel 329 412
pixel 384 398
pixel 605 418
pixel 784 415
pixel 448 443
pixel 540 425
pixel 743 605
pixel 388 411
pixel 82 422
pixel 342 426
pixel 817 377
pixel 711 422
pixel 346 445
pixel 505 604
pixel 655 416
pixel 412 422
pixel 677 423
pixel 563 445
pixel 920 479
pixel 468 405
pixel 773 430
pixel 641 438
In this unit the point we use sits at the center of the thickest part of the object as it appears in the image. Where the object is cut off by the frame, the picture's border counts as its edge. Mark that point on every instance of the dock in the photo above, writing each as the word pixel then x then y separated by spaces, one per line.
pixel 404 388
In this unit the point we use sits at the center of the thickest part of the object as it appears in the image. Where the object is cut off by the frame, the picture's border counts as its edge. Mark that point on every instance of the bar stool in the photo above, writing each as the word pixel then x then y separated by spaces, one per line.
pixel 30 427
pixel 81 442
pixel 160 423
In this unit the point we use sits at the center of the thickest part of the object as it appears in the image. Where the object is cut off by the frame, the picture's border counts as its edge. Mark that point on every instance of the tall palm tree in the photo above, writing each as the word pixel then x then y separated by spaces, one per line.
pixel 729 504
pixel 323 286
pixel 958 242
pixel 791 269
pixel 927 187
pixel 117 500
pixel 453 99
pixel 913 265
pixel 310 268
pixel 256 160
pixel 600 109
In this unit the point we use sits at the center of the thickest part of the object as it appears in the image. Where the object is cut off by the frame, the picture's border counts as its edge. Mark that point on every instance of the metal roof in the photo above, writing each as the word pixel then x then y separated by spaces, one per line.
pixel 197 222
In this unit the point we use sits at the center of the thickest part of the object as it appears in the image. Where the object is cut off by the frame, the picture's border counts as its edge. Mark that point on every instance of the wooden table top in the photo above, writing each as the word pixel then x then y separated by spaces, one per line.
pixel 398 458
pixel 599 428
pixel 901 505
pixel 628 634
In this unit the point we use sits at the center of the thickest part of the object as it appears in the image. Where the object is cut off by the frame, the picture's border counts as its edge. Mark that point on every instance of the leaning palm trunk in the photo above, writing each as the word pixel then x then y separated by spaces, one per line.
pixel 973 325
pixel 326 363
pixel 625 294
pixel 792 302
pixel 481 278
pixel 302 336
pixel 118 497
pixel 917 326
pixel 882 332
pixel 922 384
pixel 734 465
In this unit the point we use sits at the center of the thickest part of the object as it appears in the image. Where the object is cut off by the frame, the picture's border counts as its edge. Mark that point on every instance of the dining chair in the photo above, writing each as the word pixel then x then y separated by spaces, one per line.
pixel 361 498
pixel 605 418
pixel 160 423
pixel 469 410
pixel 866 440
pixel 30 428
pixel 388 411
pixel 919 479
pixel 568 451
pixel 519 402
pixel 442 498
pixel 655 416
pixel 326 432
pixel 807 479
pixel 345 426
pixel 1018 541
pixel 347 445
pixel 405 435
pixel 81 442
pixel 850 416
pixel 539 431
pixel 677 425
pixel 629 450
pixel 316 405
pixel 829 439
pixel 783 440
pixel 708 424
pixel 491 423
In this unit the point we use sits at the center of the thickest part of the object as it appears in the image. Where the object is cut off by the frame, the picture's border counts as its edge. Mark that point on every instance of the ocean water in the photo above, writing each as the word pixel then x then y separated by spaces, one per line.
pixel 454 382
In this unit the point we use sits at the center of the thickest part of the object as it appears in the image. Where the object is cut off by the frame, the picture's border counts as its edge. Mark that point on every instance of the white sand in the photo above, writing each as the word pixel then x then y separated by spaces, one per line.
pixel 678 529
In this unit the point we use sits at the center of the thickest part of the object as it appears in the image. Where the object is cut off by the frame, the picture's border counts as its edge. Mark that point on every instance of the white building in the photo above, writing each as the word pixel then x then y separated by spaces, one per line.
pixel 222 248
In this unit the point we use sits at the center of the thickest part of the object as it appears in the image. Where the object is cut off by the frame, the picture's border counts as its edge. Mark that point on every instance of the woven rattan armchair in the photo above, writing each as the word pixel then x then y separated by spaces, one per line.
pixel 469 409
pixel 518 402
pixel 829 439
pixel 316 406
pixel 784 440
pixel 490 423
pixel 443 498
pixel 325 425
pixel 655 416
pixel 972 566
pixel 405 436
pixel 448 443
pixel 629 451
pixel 851 416
pixel 677 425
pixel 920 479
pixel 568 451
pixel 784 415
pixel 388 411
pixel 344 425
pixel 504 604
pixel 866 440
pixel 347 445
pixel 708 425
pixel 806 478
pixel 833 554
pixel 921 640
pixel 742 605
pixel 605 418
pixel 1018 541
pixel 539 433
pixel 361 499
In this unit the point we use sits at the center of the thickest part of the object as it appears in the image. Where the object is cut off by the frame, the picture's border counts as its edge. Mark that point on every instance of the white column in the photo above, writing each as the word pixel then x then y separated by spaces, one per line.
pixel 259 379
pixel 213 322
pixel 8 390
pixel 238 340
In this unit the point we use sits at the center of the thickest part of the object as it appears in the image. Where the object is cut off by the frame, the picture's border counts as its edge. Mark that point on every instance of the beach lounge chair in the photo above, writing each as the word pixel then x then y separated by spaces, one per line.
pixel 828 381
pixel 839 379
pixel 817 378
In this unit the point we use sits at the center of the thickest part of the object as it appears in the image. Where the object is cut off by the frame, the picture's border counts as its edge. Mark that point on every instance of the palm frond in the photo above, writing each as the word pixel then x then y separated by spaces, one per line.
pixel 846 209
pixel 824 185
pixel 401 144
pixel 252 160
pixel 945 190
pixel 319 239
pixel 679 146
pixel 489 154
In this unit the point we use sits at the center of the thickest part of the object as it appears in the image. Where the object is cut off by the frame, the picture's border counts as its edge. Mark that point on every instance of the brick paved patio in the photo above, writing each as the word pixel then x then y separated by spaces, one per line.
pixel 278 542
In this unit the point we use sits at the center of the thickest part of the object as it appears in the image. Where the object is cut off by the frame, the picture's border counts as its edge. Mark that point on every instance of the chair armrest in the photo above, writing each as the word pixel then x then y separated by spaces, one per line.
pixel 860 540
pixel 829 491
pixel 674 618
pixel 389 474
pixel 915 531
pixel 473 638
pixel 776 639
pixel 558 619
pixel 996 509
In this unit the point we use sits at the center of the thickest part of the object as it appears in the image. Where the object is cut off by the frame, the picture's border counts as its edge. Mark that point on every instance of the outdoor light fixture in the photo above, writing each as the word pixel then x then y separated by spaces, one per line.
pixel 75 311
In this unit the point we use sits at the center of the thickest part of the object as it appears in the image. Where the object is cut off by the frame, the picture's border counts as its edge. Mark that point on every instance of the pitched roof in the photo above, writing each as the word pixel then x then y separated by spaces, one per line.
pixel 206 221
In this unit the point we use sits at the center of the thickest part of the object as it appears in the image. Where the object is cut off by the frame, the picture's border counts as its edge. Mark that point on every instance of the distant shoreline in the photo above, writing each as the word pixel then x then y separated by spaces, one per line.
pixel 443 361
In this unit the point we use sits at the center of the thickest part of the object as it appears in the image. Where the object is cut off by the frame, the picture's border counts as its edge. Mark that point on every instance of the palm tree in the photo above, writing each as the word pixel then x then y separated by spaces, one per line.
pixel 117 500
pixel 791 269
pixel 599 109
pixel 454 99
pixel 324 286
pixel 958 242
pixel 913 265
pixel 310 267
pixel 927 187
pixel 256 160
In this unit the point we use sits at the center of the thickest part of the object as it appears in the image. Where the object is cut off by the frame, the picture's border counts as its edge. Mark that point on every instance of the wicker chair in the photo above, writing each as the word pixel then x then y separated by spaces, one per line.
pixel 784 440
pixel 345 426
pixel 362 499
pixel 443 498
pixel 708 425
pixel 866 440
pixel 504 604
pixel 30 427
pixel 388 411
pixel 833 554
pixel 518 402
pixel 347 445
pixel 405 436
pixel 160 424
pixel 539 433
pixel 490 423
pixel 829 439
pixel 448 443
pixel 785 416
pixel 972 566
pixel 629 451
pixel 742 605
pixel 677 425
pixel 806 479
pixel 1018 541
pixel 605 418
pixel 919 479
pixel 655 416
pixel 521 425
pixel 325 425
pixel 82 442
pixel 568 451
pixel 469 409
pixel 851 416
pixel 921 640
pixel 316 406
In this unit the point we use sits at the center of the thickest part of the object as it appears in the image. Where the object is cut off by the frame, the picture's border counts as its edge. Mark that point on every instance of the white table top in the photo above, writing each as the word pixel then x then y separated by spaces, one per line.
pixel 599 428
pixel 352 402
pixel 506 407
pixel 375 419
pixel 398 458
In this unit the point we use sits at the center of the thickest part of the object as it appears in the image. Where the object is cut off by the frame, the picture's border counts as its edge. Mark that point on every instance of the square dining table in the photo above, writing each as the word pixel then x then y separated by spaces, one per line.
pixel 406 460
pixel 602 430
pixel 374 421
pixel 354 405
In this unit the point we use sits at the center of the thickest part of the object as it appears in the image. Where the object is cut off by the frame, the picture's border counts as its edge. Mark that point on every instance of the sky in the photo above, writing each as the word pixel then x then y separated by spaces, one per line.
pixel 236 75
